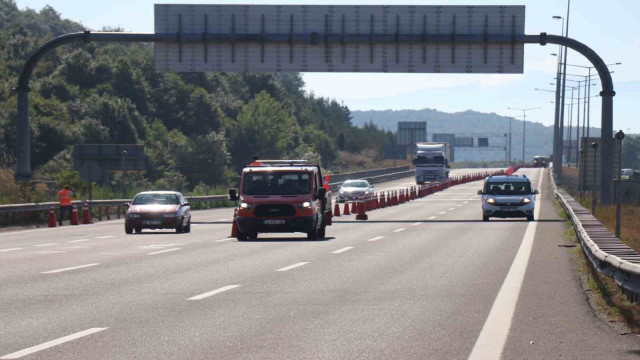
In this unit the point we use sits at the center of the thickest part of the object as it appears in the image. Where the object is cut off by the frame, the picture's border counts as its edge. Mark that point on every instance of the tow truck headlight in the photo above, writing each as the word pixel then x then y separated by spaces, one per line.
pixel 245 206
pixel 304 205
pixel 525 201
pixel 491 201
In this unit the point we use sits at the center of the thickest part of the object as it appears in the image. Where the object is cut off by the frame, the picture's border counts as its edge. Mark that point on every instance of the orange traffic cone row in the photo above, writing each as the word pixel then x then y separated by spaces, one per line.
pixel 362 214
pixel 346 209
pixel 86 216
pixel 74 216
pixel 336 209
pixel 52 218
pixel 234 225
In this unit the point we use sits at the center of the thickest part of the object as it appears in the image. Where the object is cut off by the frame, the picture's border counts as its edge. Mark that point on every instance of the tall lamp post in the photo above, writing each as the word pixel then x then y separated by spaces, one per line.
pixel 558 142
pixel 616 187
pixel 594 192
pixel 524 126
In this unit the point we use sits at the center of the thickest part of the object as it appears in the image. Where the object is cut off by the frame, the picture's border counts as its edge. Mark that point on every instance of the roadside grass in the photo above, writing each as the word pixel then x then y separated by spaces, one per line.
pixel 606 296
pixel 630 213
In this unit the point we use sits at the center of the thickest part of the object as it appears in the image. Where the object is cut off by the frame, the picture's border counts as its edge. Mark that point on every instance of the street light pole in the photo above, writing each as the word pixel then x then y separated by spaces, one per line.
pixel 594 192
pixel 557 128
pixel 616 188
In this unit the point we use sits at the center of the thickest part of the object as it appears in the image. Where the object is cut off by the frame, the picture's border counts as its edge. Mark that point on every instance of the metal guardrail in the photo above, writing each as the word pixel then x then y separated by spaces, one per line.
pixel 607 253
pixel 373 176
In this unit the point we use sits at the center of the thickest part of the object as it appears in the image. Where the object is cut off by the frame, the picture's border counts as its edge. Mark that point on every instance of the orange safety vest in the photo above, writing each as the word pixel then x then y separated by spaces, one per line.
pixel 65 197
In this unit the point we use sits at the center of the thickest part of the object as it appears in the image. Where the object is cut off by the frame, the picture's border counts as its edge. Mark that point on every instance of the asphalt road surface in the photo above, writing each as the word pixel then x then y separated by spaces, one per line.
pixel 423 280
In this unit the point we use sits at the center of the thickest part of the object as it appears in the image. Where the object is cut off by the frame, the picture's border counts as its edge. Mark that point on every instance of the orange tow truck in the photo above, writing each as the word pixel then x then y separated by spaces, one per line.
pixel 282 196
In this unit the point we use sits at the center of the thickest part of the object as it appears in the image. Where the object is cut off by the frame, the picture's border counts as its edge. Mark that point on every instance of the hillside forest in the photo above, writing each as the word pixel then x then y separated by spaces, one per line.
pixel 198 129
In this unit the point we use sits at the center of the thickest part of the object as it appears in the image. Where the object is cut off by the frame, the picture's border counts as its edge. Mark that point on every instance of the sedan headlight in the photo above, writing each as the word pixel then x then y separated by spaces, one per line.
pixel 491 201
pixel 525 201
pixel 133 216
pixel 304 205
pixel 245 206
pixel 171 215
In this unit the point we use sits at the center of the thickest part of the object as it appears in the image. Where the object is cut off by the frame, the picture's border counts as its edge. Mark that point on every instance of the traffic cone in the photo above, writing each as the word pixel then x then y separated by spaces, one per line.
pixel 86 216
pixel 234 225
pixel 52 218
pixel 336 209
pixel 354 209
pixel 362 214
pixel 346 209
pixel 74 216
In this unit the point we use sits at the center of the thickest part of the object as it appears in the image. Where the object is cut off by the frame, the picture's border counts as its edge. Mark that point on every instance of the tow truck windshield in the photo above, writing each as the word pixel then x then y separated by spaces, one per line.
pixel 508 188
pixel 277 183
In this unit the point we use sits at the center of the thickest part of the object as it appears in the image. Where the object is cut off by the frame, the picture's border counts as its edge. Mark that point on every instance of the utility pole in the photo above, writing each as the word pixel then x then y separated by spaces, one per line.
pixel 524 124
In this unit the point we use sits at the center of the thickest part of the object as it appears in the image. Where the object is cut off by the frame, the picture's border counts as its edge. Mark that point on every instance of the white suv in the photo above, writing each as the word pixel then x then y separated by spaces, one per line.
pixel 507 196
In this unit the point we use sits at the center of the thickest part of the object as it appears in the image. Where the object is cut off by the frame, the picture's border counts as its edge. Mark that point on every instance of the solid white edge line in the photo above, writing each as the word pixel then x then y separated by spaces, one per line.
pixel 213 292
pixel 495 331
pixel 52 343
pixel 69 268
pixel 292 266
pixel 399 230
pixel 163 251
pixel 376 238
pixel 10 249
pixel 342 250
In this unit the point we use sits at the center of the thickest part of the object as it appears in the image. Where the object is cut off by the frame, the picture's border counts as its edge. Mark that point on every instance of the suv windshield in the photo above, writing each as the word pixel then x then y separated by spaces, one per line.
pixel 159 199
pixel 277 183
pixel 507 188
pixel 355 184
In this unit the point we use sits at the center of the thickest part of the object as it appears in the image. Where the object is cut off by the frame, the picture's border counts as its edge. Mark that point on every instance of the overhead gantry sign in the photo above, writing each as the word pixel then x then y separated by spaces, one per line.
pixel 344 38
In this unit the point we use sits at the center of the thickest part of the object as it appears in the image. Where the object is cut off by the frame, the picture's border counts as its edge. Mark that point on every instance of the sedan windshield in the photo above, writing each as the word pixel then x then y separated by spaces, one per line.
pixel 277 183
pixel 355 184
pixel 507 188
pixel 156 199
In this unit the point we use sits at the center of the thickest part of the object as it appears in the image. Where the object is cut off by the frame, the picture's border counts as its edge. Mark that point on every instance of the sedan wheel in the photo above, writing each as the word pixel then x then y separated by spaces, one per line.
pixel 179 227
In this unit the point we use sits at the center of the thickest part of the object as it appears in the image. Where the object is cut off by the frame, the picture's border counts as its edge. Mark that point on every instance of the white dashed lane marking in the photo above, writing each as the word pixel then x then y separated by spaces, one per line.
pixel 287 268
pixel 105 237
pixel 431 217
pixel 213 292
pixel 10 249
pixel 52 343
pixel 399 230
pixel 69 268
pixel 163 251
pixel 376 238
pixel 227 239
pixel 77 241
pixel 342 250
pixel 416 223
pixel 43 245
pixel 442 213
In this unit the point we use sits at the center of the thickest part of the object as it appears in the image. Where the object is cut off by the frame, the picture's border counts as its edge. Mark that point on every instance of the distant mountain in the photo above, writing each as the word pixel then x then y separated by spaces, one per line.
pixel 471 124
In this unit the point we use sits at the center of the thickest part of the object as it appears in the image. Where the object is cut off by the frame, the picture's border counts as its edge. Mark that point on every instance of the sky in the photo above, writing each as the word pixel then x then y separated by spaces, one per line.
pixel 610 28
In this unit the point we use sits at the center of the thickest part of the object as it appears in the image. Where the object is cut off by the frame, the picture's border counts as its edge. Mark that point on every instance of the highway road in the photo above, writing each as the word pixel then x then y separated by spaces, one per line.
pixel 423 280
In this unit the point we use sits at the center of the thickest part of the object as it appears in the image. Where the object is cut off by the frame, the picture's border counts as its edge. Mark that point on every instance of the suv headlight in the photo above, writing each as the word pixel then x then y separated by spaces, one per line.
pixel 245 206
pixel 491 201
pixel 133 216
pixel 305 205
pixel 525 201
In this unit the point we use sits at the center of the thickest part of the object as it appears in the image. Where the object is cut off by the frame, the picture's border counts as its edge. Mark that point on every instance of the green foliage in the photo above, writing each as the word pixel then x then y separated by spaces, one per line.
pixel 198 129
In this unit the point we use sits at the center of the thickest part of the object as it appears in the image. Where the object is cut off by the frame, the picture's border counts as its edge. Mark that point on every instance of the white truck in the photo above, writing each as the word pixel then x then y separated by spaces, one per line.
pixel 432 161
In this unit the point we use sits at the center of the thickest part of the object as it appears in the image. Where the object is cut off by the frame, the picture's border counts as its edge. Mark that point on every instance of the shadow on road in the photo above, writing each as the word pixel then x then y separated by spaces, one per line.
pixel 300 239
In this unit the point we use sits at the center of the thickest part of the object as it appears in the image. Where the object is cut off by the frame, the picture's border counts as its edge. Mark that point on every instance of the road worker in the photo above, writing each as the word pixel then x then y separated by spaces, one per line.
pixel 65 195
pixel 255 161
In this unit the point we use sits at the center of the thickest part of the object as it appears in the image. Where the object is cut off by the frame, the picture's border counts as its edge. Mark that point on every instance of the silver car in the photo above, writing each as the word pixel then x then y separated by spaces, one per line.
pixel 355 190
pixel 508 196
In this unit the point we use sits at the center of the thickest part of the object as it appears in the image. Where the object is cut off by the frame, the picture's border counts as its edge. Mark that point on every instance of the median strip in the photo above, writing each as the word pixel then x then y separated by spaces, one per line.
pixel 213 292
pixel 52 343
pixel 69 268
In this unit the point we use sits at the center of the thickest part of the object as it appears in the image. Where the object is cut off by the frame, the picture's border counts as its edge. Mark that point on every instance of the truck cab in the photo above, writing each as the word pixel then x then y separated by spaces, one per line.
pixel 282 196
pixel 432 162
